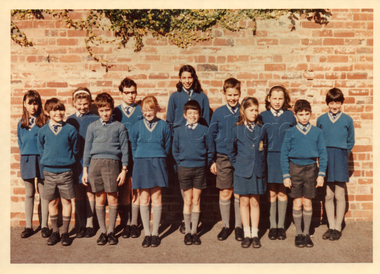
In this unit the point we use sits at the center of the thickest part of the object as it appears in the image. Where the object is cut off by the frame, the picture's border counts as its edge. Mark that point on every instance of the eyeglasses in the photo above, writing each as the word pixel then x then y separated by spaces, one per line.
pixel 129 92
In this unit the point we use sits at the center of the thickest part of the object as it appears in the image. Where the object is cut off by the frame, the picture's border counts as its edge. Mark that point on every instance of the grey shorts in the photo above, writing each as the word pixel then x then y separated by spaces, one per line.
pixel 304 180
pixel 192 177
pixel 102 174
pixel 224 172
pixel 59 185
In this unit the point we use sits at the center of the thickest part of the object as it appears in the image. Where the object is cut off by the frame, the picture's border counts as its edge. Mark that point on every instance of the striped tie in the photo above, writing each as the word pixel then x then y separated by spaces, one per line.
pixel 31 121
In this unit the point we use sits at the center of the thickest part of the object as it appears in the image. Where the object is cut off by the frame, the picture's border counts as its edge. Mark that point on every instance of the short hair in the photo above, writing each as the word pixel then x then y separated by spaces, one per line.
pixel 286 104
pixel 127 82
pixel 334 95
pixel 150 101
pixel 104 100
pixel 192 104
pixel 302 105
pixel 82 93
pixel 231 83
pixel 54 104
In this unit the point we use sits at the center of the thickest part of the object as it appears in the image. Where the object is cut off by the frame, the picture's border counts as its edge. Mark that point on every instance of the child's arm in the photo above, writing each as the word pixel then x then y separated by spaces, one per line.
pixel 123 139
pixel 213 131
pixel 40 142
pixel 167 139
pixel 19 135
pixel 206 110
pixel 231 147
pixel 75 142
pixel 175 147
pixel 210 146
pixel 351 136
pixel 322 160
pixel 170 114
pixel 87 154
pixel 285 149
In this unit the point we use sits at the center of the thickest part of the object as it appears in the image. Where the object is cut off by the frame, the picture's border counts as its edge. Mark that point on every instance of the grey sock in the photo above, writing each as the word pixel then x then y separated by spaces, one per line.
pixel 135 214
pixel 101 213
pixel 225 212
pixel 194 222
pixel 44 205
pixel 282 206
pixel 297 218
pixel 307 221
pixel 340 204
pixel 329 206
pixel 237 212
pixel 187 219
pixel 145 218
pixel 272 215
pixel 90 210
pixel 112 218
pixel 80 211
pixel 29 201
pixel 54 223
pixel 157 211
pixel 65 223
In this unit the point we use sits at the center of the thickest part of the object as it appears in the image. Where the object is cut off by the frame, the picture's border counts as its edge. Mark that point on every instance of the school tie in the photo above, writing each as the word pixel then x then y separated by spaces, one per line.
pixel 55 127
pixel 277 113
pixel 31 121
pixel 127 110
pixel 251 126
pixel 190 126
pixel 234 110
pixel 150 124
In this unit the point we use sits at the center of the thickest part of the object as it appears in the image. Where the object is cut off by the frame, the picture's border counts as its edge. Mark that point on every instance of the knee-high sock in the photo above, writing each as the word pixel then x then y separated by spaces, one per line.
pixel 282 206
pixel 90 210
pixel 80 211
pixel 187 219
pixel 112 218
pixel 44 205
pixel 297 218
pixel 340 204
pixel 194 222
pixel 237 212
pixel 145 218
pixel 54 222
pixel 307 221
pixel 157 211
pixel 225 212
pixel 29 201
pixel 101 213
pixel 329 206
pixel 135 214
pixel 272 215
pixel 65 223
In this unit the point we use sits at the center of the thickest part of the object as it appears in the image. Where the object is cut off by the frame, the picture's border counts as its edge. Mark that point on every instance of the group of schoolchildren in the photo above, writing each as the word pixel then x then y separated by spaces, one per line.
pixel 121 158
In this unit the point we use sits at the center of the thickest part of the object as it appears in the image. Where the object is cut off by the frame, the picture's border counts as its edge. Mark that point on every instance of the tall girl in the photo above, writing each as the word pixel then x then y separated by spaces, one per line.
pixel 32 120
pixel 277 120
pixel 151 140
pixel 339 134
pixel 247 151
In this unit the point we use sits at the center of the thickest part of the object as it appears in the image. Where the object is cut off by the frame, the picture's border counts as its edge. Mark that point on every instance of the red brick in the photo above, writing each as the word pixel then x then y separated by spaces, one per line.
pixel 363 17
pixel 247 75
pixel 265 42
pixel 104 83
pixel 275 67
pixel 357 75
pixel 343 33
pixel 358 92
pixel 310 25
pixel 365 181
pixel 159 76
pixel 333 42
pixel 337 58
pixel 67 42
pixel 19 191
pixel 237 58
pixel 221 59
pixel 368 50
pixel 76 33
pixel 343 68
pixel 367 206
pixel 57 85
pixel 335 75
pixel 70 58
pixel 322 33
pixel 361 148
pixel 223 42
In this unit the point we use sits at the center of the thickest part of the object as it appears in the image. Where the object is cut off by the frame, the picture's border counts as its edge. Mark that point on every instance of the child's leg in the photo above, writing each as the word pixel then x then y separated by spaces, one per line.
pixel 244 213
pixel 282 205
pixel 29 201
pixel 187 201
pixel 66 214
pixel 297 214
pixel 80 204
pixel 196 209
pixel 255 214
pixel 112 202
pixel 100 200
pixel 237 211
pixel 144 209
pixel 90 207
pixel 273 206
pixel 307 214
pixel 225 204
pixel 329 205
pixel 53 211
pixel 135 206
pixel 157 208
pixel 340 196
pixel 125 203
pixel 44 205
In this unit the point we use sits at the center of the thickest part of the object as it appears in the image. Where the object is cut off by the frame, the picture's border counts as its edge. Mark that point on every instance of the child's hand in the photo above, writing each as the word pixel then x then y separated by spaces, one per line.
pixel 320 181
pixel 288 182
pixel 85 177
pixel 213 168
pixel 121 177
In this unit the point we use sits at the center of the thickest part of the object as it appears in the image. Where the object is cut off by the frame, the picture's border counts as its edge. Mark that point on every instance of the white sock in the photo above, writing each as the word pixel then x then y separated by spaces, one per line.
pixel 247 232
pixel 254 232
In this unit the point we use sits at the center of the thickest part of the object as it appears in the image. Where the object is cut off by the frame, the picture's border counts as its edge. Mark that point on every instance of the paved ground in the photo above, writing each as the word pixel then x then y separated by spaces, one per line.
pixel 355 246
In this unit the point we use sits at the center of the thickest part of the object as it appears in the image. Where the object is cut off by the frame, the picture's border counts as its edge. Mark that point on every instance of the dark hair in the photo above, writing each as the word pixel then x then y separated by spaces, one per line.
pixel 246 103
pixel 302 105
pixel 32 96
pixel 104 100
pixel 54 104
pixel 127 82
pixel 334 95
pixel 85 94
pixel 231 83
pixel 192 104
pixel 286 104
pixel 196 85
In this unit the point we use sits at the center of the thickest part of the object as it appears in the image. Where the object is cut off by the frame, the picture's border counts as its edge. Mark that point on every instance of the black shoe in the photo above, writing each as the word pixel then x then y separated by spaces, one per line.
pixel 182 228
pixel 246 242
pixel 308 241
pixel 187 239
pixel 112 240
pixel 335 235
pixel 27 232
pixel 272 234
pixel 90 232
pixel 155 241
pixel 102 240
pixel 147 241
pixel 126 232
pixel 135 232
pixel 45 232
pixel 239 234
pixel 65 240
pixel 81 233
pixel 300 240
pixel 223 234
pixel 327 234
pixel 54 238
pixel 281 234
pixel 195 239
pixel 256 242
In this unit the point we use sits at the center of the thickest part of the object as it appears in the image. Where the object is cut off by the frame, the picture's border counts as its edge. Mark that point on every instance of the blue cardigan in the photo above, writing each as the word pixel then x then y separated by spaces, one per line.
pixel 247 151
pixel 27 140
pixel 128 120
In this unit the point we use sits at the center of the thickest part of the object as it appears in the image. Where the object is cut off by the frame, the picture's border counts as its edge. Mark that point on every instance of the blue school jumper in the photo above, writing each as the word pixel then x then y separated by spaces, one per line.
pixel 81 123
pixel 276 128
pixel 247 153
pixel 339 135
pixel 58 150
pixel 30 166
pixel 150 147
pixel 303 148
pixel 177 101
pixel 193 147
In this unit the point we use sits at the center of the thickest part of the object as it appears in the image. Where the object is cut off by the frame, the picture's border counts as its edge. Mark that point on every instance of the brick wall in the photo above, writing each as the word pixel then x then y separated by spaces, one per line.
pixel 308 61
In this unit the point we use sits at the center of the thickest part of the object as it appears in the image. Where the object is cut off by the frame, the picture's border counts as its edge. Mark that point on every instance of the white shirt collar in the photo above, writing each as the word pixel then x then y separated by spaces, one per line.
pixel 249 126
pixel 276 113
pixel 233 110
pixel 194 125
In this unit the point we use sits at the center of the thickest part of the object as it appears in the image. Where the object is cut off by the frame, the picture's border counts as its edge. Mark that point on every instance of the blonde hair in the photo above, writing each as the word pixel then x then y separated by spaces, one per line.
pixel 151 102
pixel 246 103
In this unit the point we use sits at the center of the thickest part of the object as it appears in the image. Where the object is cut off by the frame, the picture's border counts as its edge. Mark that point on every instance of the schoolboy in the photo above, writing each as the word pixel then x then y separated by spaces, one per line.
pixel 105 151
pixel 193 149
pixel 302 146
pixel 223 120
pixel 128 113
pixel 58 146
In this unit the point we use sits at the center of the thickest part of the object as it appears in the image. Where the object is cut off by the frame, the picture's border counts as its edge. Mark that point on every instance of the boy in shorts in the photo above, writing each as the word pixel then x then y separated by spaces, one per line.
pixel 105 162
pixel 193 149
pixel 58 146
pixel 302 146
